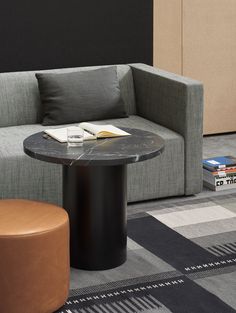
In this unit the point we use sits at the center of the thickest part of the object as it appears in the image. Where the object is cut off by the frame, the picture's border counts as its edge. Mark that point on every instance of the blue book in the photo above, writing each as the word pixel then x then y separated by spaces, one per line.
pixel 219 163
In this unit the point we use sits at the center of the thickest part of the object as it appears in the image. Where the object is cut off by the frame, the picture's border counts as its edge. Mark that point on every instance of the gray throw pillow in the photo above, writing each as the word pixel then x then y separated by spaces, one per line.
pixel 80 96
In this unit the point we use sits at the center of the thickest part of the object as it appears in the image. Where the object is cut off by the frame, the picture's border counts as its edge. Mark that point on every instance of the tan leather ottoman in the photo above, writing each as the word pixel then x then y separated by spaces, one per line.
pixel 34 257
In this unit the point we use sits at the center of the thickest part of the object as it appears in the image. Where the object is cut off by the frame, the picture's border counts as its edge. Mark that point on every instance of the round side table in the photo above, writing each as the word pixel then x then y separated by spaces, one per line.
pixel 94 191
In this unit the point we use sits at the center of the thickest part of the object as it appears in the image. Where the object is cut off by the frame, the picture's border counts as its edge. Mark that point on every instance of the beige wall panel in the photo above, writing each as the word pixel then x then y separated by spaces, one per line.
pixel 209 54
pixel 167 35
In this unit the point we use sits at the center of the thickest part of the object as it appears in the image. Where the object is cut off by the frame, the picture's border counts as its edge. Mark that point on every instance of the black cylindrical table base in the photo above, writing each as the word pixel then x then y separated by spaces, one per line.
pixel 95 199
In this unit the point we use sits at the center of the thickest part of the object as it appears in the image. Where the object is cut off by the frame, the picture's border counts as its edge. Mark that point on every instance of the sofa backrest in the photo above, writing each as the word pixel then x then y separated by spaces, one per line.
pixel 20 101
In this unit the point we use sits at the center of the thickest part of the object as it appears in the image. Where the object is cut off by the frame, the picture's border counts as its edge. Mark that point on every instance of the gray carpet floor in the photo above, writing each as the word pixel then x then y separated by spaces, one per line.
pixel 212 146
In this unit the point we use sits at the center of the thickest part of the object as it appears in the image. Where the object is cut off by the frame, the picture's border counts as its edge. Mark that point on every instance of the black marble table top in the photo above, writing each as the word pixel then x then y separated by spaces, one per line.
pixel 140 146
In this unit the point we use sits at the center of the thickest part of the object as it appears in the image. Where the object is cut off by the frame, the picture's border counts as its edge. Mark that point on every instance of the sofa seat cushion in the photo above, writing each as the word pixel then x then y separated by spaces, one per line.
pixel 24 177
pixel 162 176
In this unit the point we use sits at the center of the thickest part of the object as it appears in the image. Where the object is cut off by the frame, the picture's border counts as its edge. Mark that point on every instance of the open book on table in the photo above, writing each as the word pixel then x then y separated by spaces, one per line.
pixel 91 131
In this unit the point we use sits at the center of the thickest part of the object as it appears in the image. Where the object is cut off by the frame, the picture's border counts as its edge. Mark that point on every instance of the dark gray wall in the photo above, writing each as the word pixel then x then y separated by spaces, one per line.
pixel 62 33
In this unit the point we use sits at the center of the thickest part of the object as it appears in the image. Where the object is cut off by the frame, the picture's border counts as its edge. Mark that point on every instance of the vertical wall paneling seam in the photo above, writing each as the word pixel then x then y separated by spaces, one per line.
pixel 155 56
pixel 152 38
pixel 182 37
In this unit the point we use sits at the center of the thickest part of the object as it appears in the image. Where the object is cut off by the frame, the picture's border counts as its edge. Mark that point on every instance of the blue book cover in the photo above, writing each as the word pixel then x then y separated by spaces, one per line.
pixel 219 162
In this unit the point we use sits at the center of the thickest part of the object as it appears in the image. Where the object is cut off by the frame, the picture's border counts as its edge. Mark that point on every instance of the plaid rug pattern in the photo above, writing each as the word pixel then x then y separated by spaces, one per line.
pixel 181 259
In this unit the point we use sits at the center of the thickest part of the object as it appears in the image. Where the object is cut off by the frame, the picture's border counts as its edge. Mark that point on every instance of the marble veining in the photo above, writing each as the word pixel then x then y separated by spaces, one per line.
pixel 140 146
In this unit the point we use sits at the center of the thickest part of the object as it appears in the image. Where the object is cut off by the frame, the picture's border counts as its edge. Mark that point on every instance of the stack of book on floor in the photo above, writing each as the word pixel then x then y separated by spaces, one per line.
pixel 219 173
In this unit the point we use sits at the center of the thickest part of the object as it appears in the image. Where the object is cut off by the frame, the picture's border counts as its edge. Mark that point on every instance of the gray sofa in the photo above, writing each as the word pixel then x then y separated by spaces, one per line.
pixel 164 103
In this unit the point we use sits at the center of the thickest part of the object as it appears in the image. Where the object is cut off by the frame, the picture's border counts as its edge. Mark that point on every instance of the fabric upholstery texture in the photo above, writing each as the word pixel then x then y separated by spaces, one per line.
pixel 164 103
pixel 20 100
pixel 24 177
pixel 175 102
pixel 80 96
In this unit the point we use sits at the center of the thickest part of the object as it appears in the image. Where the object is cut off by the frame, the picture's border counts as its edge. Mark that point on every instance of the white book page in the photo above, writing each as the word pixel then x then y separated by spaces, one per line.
pixel 60 134
pixel 92 128
pixel 103 129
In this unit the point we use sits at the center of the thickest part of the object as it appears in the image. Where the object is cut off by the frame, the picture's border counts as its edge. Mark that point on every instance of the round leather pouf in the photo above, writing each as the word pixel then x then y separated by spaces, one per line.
pixel 34 257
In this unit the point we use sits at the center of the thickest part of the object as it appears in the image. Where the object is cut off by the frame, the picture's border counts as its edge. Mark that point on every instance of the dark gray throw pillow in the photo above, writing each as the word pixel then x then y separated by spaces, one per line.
pixel 80 96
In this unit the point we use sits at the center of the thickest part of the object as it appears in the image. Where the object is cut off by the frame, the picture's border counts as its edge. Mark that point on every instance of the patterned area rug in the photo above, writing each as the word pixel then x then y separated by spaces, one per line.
pixel 181 259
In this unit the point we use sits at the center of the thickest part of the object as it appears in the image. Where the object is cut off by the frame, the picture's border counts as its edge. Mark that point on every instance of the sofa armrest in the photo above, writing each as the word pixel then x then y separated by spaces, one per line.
pixel 175 102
